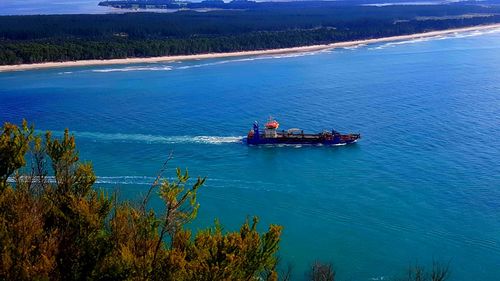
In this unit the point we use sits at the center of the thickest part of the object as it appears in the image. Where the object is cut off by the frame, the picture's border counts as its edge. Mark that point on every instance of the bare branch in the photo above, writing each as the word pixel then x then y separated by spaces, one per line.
pixel 156 182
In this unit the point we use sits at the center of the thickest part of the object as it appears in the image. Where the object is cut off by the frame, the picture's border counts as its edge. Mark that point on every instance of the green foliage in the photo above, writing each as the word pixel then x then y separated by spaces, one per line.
pixel 14 143
pixel 67 230
pixel 35 39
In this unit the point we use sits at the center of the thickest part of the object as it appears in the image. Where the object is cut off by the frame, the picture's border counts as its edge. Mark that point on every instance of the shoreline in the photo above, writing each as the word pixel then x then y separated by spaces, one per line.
pixel 312 48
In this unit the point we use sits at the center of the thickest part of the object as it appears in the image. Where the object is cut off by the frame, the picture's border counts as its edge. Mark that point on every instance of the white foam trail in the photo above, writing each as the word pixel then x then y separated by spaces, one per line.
pixel 354 47
pixel 217 140
pixel 167 68
pixel 455 35
pixel 121 181
pixel 120 137
pixel 339 144
pixel 290 55
pixel 134 68
pixel 125 180
pixel 262 57
pixel 412 41
pixel 65 72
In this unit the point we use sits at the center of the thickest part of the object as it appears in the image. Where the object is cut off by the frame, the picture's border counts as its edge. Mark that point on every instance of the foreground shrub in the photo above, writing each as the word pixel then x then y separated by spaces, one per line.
pixel 60 227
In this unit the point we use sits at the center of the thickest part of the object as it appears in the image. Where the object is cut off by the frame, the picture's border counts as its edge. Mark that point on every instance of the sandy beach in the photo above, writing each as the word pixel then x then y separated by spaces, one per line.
pixel 313 48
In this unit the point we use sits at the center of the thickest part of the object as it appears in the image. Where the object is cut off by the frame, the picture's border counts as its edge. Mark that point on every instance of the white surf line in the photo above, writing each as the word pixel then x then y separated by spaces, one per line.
pixel 454 35
pixel 313 48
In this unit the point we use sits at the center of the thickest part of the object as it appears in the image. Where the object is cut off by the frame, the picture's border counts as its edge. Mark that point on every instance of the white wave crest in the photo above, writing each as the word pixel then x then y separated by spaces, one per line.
pixel 354 47
pixel 145 138
pixel 406 42
pixel 155 67
pixel 455 35
pixel 252 58
pixel 134 68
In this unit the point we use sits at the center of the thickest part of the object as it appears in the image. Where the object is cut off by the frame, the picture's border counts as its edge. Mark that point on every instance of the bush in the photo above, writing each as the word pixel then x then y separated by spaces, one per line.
pixel 60 227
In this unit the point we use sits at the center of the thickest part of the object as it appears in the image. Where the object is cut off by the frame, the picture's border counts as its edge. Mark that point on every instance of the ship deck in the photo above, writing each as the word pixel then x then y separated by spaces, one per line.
pixel 299 136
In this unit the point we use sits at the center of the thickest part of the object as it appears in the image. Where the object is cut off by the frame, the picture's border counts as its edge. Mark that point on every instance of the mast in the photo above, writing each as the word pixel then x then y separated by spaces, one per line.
pixel 256 133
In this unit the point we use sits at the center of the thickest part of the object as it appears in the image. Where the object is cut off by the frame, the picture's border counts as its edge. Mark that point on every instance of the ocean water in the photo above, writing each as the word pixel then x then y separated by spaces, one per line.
pixel 36 7
pixel 422 184
pixel 47 7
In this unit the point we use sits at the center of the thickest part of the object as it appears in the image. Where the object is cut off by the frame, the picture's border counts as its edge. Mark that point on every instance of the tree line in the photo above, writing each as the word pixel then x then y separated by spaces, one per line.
pixel 35 39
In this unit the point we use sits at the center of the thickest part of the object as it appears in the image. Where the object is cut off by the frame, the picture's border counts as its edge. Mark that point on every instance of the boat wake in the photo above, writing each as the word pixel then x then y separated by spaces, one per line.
pixel 149 180
pixel 145 138
pixel 125 180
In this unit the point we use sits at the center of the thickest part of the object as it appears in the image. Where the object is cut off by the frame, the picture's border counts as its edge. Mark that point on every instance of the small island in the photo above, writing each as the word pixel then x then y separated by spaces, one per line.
pixel 177 5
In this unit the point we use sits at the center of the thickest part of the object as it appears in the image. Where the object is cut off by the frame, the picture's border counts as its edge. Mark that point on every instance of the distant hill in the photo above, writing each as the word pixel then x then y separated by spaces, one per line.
pixel 250 4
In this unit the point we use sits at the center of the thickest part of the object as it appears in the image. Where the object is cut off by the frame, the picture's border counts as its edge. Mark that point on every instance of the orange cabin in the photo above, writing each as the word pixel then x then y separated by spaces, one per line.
pixel 273 124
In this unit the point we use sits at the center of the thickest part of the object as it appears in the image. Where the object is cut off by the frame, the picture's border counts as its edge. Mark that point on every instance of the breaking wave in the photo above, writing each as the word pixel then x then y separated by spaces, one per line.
pixel 252 58
pixel 134 68
pixel 146 138
pixel 354 47
pixel 455 35
pixel 406 42
pixel 65 72
pixel 178 65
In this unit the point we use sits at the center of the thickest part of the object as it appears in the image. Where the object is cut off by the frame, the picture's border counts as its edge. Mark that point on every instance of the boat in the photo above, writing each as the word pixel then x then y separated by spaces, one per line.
pixel 272 135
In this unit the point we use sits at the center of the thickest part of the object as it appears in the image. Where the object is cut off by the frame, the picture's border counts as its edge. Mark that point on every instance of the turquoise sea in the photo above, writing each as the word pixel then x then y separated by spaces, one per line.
pixel 422 184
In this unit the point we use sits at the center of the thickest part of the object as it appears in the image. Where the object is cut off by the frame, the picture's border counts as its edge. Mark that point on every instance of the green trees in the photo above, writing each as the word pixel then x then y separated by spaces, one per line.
pixel 14 143
pixel 59 227
pixel 36 39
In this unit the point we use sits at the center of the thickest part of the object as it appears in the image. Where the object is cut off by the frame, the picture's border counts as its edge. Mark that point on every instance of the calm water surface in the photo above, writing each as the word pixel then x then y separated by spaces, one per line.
pixel 35 7
pixel 423 183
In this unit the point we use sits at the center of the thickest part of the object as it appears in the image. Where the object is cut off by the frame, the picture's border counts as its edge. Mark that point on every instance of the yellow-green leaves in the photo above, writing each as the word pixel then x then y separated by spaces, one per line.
pixel 14 144
pixel 67 230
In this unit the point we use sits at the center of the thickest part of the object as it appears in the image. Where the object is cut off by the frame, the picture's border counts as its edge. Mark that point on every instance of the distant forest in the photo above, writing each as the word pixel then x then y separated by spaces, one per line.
pixel 46 38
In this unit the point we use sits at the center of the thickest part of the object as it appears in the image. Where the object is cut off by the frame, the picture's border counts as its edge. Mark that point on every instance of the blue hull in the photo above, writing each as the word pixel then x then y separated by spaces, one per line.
pixel 340 140
pixel 296 136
